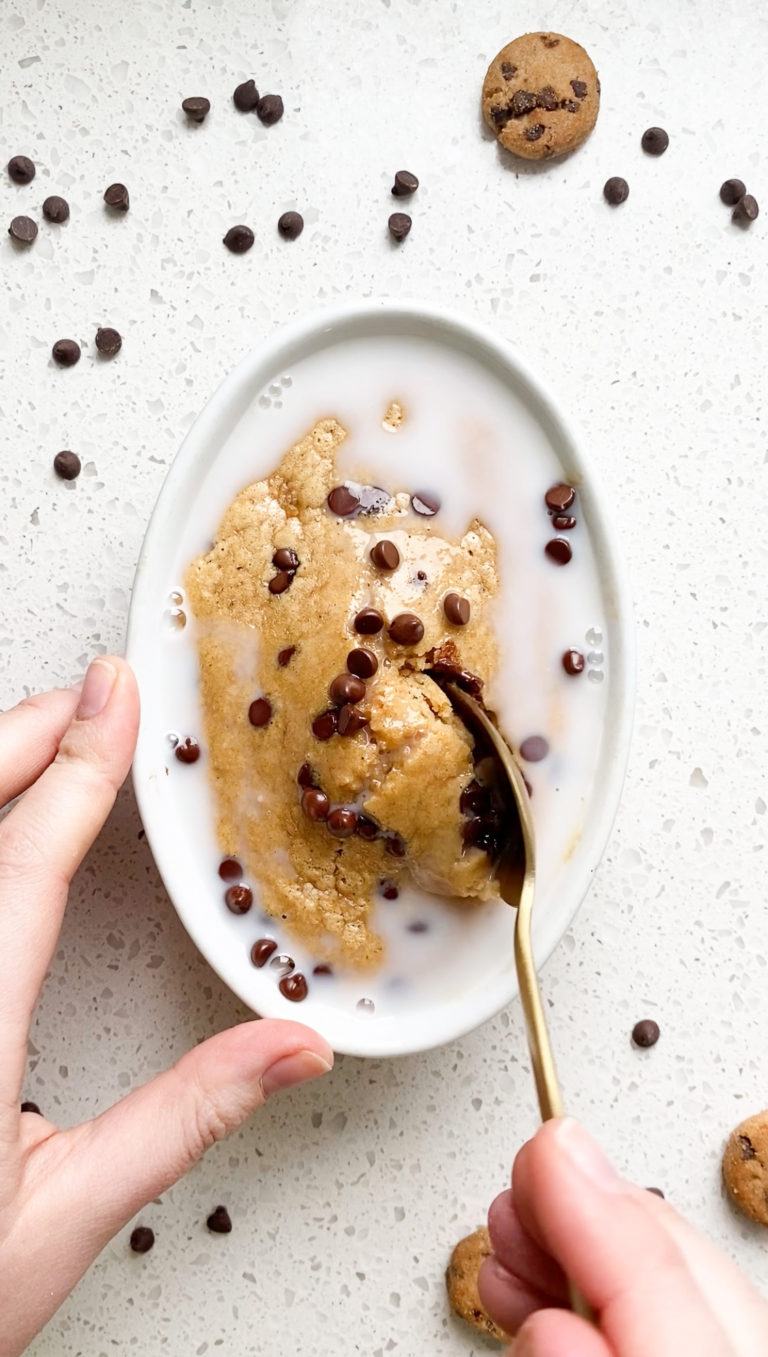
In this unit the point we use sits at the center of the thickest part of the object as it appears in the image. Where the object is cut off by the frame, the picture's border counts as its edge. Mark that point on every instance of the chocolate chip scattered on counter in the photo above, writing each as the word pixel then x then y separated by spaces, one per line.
pixel 342 822
pixel 362 662
pixel 290 225
pixel 657 1192
pixel 559 550
pixel 385 556
pixel 294 987
pixel 285 558
pixel 108 341
pixel 746 210
pixel 269 109
pixel 346 688
pixel 342 501
pixel 534 749
pixel 238 899
pixel 325 725
pixel 388 889
pixel 563 522
pixel 474 799
pixel 116 196
pixel 579 88
pixel 573 662
pixel 230 869
pixel 21 169
pixel 322 969
pixel 239 239
pixel 262 950
pixel 285 655
pixel 31 1107
pixel 646 1032
pixel 367 828
pixel 351 720
pixel 197 108
pixel 456 609
pixel 406 629
pixel 23 230
pixel 56 209
pixel 65 352
pixel 405 184
pixel 368 622
pixel 654 141
pixel 281 581
pixel 246 96
pixel 315 804
pixel 260 712
pixel 394 844
pixel 67 465
pixel 615 190
pixel 399 225
pixel 425 504
pixel 559 497
pixel 305 776
pixel 187 751
pixel 731 191
pixel 142 1239
pixel 219 1221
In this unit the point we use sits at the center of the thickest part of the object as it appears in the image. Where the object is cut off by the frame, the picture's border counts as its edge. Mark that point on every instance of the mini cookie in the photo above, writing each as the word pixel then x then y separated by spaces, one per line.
pixel 461 1281
pixel 541 95
pixel 745 1167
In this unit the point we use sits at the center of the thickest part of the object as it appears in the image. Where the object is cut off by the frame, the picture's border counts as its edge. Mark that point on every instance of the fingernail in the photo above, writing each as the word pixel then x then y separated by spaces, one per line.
pixel 293 1069
pixel 585 1155
pixel 97 688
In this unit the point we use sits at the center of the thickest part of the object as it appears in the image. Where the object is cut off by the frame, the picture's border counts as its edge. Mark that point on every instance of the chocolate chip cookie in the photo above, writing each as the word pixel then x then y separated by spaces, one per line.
pixel 461 1282
pixel 745 1167
pixel 541 95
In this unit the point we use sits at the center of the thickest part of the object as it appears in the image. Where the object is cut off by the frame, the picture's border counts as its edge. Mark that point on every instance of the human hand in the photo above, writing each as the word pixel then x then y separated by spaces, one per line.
pixel 658 1287
pixel 68 752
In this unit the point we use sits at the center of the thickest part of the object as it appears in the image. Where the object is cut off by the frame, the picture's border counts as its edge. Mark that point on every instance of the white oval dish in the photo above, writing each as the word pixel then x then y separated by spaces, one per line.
pixel 260 409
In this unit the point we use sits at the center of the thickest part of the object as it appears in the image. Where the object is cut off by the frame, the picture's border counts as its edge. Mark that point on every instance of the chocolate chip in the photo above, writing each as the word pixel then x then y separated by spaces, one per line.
pixel 654 141
pixel 322 969
pixel 657 1192
pixel 508 70
pixel 280 582
pixel 342 822
pixel 748 1150
pixel 579 89
pixel 315 804
pixel 219 1221
pixel 456 609
pixel 615 190
pixel 67 465
pixel 399 225
pixel 230 869
pixel 285 558
pixel 239 239
pixel 108 341
pixel 394 844
pixel 483 832
pixel 474 799
pixel 285 655
pixel 523 101
pixel 269 109
pixel 406 629
pixel 573 662
pixel 142 1239
pixel 262 950
pixel 374 500
pixel 351 720
pixel 388 889
pixel 56 209
pixel 342 501
pixel 21 169
pixel 745 211
pixel 385 556
pixel 65 352
pixel 569 105
pixel 550 41
pixel 31 1107
pixel 501 116
pixel 294 987
pixel 23 230
pixel 425 504
pixel 731 191
pixel 546 99
pixel 325 725
pixel 362 662
pixel 368 622
pixel 197 108
pixel 646 1032
pixel 441 666
pixel 246 96
pixel 563 522
pixel 367 828
pixel 260 712
pixel 116 197
pixel 306 776
pixel 290 225
pixel 346 688
pixel 559 550
pixel 238 899
pixel 187 751
pixel 535 132
pixel 534 749
pixel 560 497
pixel 418 926
pixel 421 576
pixel 405 184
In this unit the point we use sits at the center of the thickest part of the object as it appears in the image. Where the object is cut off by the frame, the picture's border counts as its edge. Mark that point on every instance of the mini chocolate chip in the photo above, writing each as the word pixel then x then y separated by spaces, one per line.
pixel 230 869
pixel 654 141
pixel 405 184
pixel 746 210
pixel 418 926
pixel 238 899
pixel 246 96
pixel 657 1192
pixel 197 108
pixel 406 629
pixel 615 190
pixel 116 196
pixel 239 239
pixel 731 191
pixel 563 522
pixel 579 89
pixel 305 776
pixel 21 169
pixel 475 799
pixel 351 720
pixel 342 501
pixel 399 225
pixel 322 969
pixel 388 889
pixel 56 209
pixel 31 1107
pixel 421 576
pixel 501 116
pixel 290 225
pixel 23 230
pixel 569 105
pixel 546 99
pixel 67 465
pixel 65 352
pixel 573 662
pixel 362 662
pixel 508 70
pixel 108 341
pixel 219 1221
pixel 560 497
pixel 523 101
pixel 646 1032
pixel 534 749
pixel 187 751
pixel 325 725
pixel 260 712
pixel 294 987
pixel 280 582
pixel 262 950
pixel 559 550
pixel 315 804
pixel 285 558
pixel 535 132
pixel 269 109
pixel 748 1150
pixel 394 844
pixel 385 556
pixel 374 500
pixel 285 655
pixel 342 822
pixel 425 504
pixel 367 828
pixel 346 688
pixel 456 609
pixel 142 1239
pixel 368 622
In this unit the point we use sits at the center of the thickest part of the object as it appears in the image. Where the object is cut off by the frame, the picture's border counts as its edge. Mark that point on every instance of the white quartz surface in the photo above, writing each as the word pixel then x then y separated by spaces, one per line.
pixel 649 320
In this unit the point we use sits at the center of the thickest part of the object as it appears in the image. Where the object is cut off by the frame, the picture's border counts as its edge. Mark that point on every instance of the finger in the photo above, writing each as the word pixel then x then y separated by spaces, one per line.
pixel 506 1298
pixel 519 1254
pixel 555 1333
pixel 29 738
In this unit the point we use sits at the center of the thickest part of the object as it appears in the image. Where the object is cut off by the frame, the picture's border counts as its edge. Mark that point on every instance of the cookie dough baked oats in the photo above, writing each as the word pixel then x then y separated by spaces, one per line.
pixel 541 95
pixel 336 761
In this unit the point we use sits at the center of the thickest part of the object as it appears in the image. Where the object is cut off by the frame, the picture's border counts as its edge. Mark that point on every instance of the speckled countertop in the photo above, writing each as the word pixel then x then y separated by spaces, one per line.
pixel 650 322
